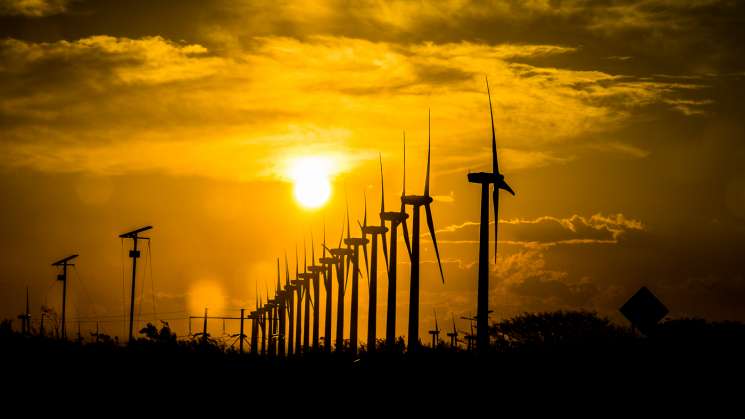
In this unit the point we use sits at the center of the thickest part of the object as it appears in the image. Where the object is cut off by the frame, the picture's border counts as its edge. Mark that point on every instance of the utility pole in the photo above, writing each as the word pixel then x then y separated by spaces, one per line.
pixel 64 263
pixel 134 254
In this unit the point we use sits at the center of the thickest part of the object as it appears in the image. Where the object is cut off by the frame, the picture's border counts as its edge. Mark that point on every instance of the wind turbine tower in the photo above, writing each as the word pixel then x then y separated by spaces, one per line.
pixel 486 179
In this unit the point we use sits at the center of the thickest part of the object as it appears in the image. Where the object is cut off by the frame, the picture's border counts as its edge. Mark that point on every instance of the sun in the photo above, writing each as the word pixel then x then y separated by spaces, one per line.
pixel 310 176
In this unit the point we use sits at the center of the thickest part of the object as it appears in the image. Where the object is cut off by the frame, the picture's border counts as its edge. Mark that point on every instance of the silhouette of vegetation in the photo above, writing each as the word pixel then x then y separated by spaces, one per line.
pixel 565 344
pixel 531 331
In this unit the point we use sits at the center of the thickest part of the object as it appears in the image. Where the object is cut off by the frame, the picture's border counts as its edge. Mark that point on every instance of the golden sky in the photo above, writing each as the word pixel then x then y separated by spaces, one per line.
pixel 618 124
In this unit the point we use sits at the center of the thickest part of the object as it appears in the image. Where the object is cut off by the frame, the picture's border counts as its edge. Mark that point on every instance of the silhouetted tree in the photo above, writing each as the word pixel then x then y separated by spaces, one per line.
pixel 552 329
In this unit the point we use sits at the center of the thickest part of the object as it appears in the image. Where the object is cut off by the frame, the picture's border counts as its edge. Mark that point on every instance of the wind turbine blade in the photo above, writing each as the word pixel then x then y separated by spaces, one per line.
pixel 297 264
pixel 403 189
pixel 278 284
pixel 342 232
pixel 404 224
pixel 506 187
pixel 349 236
pixel 364 220
pixel 287 271
pixel 305 258
pixel 382 188
pixel 403 206
pixel 382 210
pixel 429 142
pixel 324 237
pixel 495 163
pixel 495 200
pixel 312 249
pixel 431 225
pixel 384 242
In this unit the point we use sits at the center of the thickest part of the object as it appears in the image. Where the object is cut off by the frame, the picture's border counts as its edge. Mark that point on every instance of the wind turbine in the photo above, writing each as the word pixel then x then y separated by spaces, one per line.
pixel 328 263
pixel 306 278
pixel 299 285
pixel 453 336
pixel 486 179
pixel 290 307
pixel 254 326
pixel 315 271
pixel 354 243
pixel 281 300
pixel 373 231
pixel 25 318
pixel 435 333
pixel 340 254
pixel 470 337
pixel 396 218
pixel 416 202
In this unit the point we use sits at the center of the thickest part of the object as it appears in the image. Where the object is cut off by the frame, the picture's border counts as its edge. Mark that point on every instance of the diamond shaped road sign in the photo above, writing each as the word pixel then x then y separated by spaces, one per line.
pixel 644 310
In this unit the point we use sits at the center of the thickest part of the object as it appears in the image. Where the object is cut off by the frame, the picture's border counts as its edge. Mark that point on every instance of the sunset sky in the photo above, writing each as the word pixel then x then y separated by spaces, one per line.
pixel 618 125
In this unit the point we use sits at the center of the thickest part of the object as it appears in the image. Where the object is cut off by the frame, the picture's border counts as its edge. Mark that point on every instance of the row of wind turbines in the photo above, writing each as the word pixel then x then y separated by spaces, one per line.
pixel 284 321
pixel 269 317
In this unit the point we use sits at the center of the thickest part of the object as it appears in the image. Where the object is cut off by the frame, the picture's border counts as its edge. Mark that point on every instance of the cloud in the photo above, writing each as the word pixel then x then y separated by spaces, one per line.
pixel 549 231
pixel 184 107
pixel 33 8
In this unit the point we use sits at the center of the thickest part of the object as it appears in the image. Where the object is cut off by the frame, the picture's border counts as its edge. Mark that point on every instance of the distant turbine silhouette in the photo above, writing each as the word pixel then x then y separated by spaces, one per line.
pixel 417 201
pixel 453 336
pixel 25 318
pixel 307 277
pixel 254 326
pixel 486 179
pixel 354 243
pixel 315 271
pixel 271 309
pixel 281 300
pixel 290 307
pixel 328 263
pixel 299 284
pixel 396 218
pixel 373 231
pixel 435 333
pixel 340 254
pixel 262 325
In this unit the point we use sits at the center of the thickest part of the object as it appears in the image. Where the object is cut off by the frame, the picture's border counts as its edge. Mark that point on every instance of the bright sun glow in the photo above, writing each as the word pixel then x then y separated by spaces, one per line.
pixel 311 178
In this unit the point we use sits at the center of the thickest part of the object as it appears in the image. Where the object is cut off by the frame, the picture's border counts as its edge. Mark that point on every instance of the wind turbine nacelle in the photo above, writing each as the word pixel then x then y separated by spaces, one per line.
pixel 305 275
pixel 394 216
pixel 416 200
pixel 316 269
pixel 60 277
pixel 328 261
pixel 374 230
pixel 134 253
pixel 342 251
pixel 485 177
pixel 356 241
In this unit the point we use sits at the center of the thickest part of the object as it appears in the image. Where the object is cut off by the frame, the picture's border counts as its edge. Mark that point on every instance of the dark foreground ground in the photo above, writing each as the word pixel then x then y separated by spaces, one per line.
pixel 679 365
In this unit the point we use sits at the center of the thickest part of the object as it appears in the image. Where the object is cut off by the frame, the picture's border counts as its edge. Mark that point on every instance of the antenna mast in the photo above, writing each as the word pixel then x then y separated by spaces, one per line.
pixel 64 263
pixel 134 254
